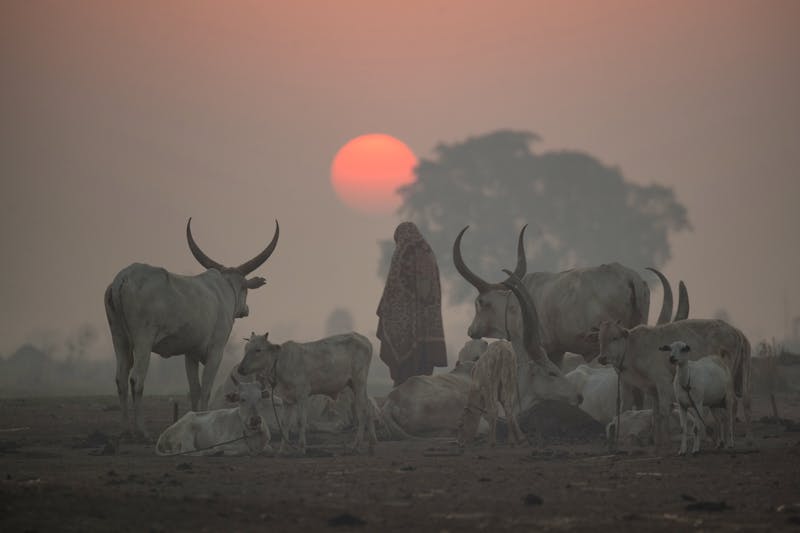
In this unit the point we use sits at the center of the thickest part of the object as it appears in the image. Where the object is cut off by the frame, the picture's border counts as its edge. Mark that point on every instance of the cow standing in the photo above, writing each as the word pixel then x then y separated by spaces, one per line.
pixel 296 370
pixel 567 303
pixel 152 310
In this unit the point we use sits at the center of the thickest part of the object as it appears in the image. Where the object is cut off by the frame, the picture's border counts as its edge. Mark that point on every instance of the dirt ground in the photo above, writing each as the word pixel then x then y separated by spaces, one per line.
pixel 56 475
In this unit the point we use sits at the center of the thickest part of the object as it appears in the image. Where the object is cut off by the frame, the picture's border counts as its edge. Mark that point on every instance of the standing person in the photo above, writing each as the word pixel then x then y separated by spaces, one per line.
pixel 410 311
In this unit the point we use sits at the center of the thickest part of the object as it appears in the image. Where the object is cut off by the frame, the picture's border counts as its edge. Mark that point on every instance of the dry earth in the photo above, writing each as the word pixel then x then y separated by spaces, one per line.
pixel 58 474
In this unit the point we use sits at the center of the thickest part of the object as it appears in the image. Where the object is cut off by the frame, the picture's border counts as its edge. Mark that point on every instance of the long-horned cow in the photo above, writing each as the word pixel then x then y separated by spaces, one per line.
pixel 568 303
pixel 151 310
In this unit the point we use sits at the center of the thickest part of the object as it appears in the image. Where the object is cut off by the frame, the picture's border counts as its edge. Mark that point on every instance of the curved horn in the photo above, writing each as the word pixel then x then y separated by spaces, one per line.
pixel 462 268
pixel 473 278
pixel 257 261
pixel 530 318
pixel 522 266
pixel 683 302
pixel 198 254
pixel 666 306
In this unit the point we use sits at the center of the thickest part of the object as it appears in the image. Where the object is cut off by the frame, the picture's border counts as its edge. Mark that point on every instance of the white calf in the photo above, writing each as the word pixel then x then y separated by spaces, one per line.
pixel 704 382
pixel 235 431
pixel 494 380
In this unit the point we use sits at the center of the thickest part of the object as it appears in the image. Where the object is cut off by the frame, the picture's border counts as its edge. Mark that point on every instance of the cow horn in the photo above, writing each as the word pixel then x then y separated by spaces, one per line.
pixel 666 306
pixel 473 278
pixel 462 268
pixel 257 261
pixel 683 302
pixel 198 254
pixel 530 318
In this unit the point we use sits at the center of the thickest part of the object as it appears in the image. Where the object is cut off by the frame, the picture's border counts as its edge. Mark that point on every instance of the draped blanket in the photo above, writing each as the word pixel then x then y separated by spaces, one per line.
pixel 410 311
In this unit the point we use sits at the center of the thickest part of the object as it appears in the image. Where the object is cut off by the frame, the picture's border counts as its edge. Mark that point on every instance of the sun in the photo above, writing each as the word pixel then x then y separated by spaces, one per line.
pixel 368 169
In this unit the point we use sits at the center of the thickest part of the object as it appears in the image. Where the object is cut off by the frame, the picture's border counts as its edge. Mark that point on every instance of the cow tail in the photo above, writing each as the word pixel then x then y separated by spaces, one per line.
pixel 115 311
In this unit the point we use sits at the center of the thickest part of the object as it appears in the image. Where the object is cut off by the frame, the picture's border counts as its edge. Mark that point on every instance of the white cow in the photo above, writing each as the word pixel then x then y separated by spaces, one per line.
pixel 704 382
pixel 298 370
pixel 236 431
pixel 152 310
pixel 494 381
pixel 597 386
pixel 425 406
pixel 567 303
pixel 635 353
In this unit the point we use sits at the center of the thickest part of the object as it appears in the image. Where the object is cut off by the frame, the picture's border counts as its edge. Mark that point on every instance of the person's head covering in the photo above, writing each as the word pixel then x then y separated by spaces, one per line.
pixel 410 311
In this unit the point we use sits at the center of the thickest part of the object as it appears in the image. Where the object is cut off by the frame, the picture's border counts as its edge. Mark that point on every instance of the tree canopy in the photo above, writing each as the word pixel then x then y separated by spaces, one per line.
pixel 579 211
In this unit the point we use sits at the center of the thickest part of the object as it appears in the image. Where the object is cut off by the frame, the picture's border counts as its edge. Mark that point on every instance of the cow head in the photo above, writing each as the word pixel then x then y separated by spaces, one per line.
pixel 678 352
pixel 496 312
pixel 236 276
pixel 259 355
pixel 613 340
pixel 248 396
pixel 471 351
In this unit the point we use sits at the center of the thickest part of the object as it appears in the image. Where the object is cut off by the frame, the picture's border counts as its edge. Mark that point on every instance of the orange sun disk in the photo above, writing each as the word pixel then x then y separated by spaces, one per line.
pixel 367 171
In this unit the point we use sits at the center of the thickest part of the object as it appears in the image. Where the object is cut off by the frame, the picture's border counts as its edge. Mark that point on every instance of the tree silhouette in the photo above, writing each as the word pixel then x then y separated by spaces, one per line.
pixel 580 212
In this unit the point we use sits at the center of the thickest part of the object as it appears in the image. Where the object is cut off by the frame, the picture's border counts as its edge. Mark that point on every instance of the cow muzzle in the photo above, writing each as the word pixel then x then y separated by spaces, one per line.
pixel 254 422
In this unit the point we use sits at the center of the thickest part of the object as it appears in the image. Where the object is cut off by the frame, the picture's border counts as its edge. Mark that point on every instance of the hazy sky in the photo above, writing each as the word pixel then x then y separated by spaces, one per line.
pixel 122 119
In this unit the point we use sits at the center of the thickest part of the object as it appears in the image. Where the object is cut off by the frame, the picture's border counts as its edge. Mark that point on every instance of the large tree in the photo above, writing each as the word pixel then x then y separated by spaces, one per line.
pixel 580 212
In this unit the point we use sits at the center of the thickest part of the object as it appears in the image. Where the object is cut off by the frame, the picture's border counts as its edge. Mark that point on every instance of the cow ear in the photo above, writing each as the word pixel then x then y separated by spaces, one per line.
pixel 686 348
pixel 266 335
pixel 252 334
pixel 665 348
pixel 232 397
pixel 254 283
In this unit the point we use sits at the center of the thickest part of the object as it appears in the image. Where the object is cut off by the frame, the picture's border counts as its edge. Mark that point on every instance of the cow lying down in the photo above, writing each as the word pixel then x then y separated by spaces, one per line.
pixel 235 431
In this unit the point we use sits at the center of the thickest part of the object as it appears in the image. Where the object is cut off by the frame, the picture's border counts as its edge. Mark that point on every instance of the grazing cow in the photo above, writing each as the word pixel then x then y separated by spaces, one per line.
pixel 152 310
pixel 636 356
pixel 568 303
pixel 597 386
pixel 296 370
pixel 704 382
pixel 236 431
pixel 494 380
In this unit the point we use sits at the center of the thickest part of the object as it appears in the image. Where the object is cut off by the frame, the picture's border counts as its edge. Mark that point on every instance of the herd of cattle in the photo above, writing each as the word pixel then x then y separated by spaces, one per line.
pixel 592 319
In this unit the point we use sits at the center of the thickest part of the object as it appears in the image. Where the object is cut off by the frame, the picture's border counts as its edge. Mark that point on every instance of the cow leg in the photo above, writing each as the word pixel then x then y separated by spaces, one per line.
pixel 209 373
pixel 661 409
pixel 302 408
pixel 699 428
pixel 491 416
pixel 124 365
pixel 360 407
pixel 192 376
pixel 684 428
pixel 141 362
pixel 285 420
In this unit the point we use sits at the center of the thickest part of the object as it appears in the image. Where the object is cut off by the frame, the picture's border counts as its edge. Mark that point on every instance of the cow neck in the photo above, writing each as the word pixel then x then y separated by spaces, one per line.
pixel 272 377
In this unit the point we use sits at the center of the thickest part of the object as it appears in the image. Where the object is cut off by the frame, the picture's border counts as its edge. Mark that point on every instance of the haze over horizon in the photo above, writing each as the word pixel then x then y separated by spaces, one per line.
pixel 123 120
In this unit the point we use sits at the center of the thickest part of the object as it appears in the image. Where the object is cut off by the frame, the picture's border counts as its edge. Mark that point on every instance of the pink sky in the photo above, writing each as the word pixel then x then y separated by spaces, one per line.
pixel 123 119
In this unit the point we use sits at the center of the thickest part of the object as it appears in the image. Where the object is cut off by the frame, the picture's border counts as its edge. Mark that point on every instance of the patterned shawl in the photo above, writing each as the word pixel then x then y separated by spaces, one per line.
pixel 410 311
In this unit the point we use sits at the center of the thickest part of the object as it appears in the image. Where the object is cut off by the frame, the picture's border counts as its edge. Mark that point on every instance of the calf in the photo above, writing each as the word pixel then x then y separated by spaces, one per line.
pixel 494 379
pixel 235 431
pixel 296 370
pixel 706 381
